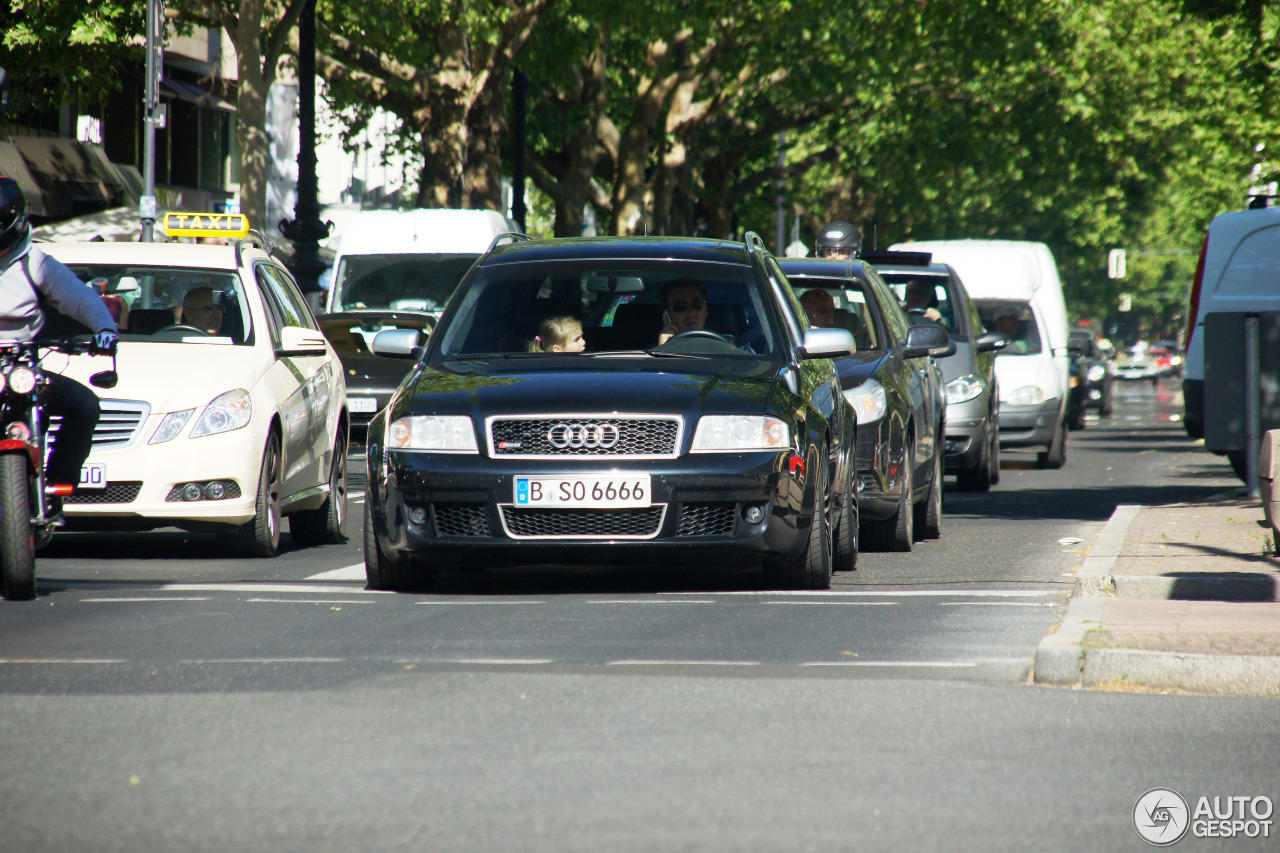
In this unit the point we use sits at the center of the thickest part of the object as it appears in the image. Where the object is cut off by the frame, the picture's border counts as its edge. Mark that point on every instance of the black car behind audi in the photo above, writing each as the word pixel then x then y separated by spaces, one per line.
pixel 897 394
pixel 728 443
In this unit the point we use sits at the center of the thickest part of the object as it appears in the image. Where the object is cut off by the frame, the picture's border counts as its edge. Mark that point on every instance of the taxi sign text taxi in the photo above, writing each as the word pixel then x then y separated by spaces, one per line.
pixel 206 225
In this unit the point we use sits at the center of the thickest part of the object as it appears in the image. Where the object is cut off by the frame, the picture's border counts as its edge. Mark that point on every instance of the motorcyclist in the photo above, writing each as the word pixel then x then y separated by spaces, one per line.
pixel 839 240
pixel 27 277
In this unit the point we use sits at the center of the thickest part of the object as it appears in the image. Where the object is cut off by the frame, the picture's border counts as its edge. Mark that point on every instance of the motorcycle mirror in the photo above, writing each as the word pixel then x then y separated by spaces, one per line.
pixel 105 379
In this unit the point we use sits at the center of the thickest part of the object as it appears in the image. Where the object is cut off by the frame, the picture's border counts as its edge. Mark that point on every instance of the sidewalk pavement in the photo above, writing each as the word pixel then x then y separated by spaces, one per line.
pixel 1183 597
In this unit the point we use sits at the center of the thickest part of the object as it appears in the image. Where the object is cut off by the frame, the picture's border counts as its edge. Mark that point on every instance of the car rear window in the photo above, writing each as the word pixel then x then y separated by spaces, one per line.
pixel 398 282
pixel 617 305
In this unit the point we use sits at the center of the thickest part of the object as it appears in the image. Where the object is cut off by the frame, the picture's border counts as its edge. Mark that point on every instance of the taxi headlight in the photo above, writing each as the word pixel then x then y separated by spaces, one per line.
pixel 441 433
pixel 1096 373
pixel 1027 395
pixel 962 389
pixel 869 401
pixel 22 380
pixel 170 426
pixel 718 433
pixel 230 411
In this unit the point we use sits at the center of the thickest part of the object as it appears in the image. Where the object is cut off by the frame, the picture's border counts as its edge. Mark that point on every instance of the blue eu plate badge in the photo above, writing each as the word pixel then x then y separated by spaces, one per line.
pixel 522 490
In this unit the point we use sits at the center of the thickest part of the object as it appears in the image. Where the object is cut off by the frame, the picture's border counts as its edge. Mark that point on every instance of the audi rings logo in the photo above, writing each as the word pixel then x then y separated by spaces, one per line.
pixel 592 437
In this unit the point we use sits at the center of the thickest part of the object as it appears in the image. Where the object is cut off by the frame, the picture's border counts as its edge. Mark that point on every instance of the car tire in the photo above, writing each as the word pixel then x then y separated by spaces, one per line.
pixel 261 536
pixel 977 478
pixel 327 524
pixel 1108 400
pixel 389 573
pixel 17 544
pixel 928 518
pixel 1056 456
pixel 994 454
pixel 1075 419
pixel 897 532
pixel 847 531
pixel 811 568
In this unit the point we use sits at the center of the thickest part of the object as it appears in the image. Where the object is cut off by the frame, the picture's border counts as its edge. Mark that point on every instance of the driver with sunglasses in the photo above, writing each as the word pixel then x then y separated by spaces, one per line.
pixel 684 302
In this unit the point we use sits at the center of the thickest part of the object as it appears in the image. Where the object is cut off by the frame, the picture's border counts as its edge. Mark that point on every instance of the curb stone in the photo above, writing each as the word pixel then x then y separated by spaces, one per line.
pixel 1239 675
pixel 1060 656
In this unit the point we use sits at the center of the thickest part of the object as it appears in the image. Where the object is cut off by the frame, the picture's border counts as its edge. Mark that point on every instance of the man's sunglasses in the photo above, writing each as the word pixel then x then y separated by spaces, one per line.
pixel 696 304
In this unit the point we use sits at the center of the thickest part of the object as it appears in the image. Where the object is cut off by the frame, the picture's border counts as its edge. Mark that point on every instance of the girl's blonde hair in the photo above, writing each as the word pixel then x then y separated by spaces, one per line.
pixel 555 332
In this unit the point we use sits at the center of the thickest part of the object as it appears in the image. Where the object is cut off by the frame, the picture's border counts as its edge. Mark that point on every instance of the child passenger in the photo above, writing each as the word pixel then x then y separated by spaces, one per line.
pixel 558 334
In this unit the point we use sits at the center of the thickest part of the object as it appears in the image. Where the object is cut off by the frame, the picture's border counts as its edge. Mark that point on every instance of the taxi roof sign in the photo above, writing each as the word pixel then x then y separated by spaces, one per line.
pixel 228 225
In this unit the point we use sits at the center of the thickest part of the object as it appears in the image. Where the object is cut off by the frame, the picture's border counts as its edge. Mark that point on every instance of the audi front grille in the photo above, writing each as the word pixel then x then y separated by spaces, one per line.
pixel 543 523
pixel 596 436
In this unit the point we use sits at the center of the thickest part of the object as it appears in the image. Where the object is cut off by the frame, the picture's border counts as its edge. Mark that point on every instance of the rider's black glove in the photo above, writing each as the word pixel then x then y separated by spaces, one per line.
pixel 105 343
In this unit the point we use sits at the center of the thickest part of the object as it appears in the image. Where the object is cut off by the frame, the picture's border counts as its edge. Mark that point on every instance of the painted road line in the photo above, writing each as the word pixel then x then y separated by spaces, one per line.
pixel 262 660
pixel 306 601
pixel 644 601
pixel 682 663
pixel 995 604
pixel 942 664
pixel 90 661
pixel 148 600
pixel 475 662
pixel 841 603
pixel 264 587
pixel 449 603
pixel 354 572
pixel 901 593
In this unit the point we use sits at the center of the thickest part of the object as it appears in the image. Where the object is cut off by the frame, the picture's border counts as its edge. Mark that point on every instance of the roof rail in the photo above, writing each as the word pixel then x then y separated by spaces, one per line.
pixel 257 238
pixel 754 243
pixel 508 237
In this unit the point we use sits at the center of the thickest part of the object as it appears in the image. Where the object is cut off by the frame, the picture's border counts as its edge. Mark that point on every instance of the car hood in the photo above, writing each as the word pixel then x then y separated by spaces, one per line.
pixel 582 385
pixel 373 372
pixel 859 367
pixel 169 376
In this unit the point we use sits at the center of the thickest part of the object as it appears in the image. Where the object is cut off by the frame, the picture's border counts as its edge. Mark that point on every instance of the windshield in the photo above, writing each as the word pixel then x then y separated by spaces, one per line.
pixel 171 304
pixel 590 306
pixel 919 293
pixel 1014 320
pixel 398 282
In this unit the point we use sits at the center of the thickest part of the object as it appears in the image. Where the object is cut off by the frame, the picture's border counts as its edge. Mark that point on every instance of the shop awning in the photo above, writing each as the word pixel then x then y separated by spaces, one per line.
pixel 191 93
pixel 60 176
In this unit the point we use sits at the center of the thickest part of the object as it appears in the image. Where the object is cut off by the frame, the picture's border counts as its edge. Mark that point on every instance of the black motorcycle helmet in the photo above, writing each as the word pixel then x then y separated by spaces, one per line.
pixel 839 239
pixel 14 224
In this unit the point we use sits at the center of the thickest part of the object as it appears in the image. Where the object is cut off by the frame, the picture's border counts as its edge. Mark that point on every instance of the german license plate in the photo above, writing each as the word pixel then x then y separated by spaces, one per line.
pixel 364 405
pixel 93 476
pixel 603 491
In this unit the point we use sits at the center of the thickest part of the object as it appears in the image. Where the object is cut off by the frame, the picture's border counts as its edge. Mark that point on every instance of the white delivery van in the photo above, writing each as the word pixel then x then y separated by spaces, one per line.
pixel 1239 272
pixel 408 260
pixel 1016 287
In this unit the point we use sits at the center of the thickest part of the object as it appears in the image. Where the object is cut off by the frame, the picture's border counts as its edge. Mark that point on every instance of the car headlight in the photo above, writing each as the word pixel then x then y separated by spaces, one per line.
pixel 964 388
pixel 441 433
pixel 1096 373
pixel 868 400
pixel 230 411
pixel 718 433
pixel 170 426
pixel 1027 395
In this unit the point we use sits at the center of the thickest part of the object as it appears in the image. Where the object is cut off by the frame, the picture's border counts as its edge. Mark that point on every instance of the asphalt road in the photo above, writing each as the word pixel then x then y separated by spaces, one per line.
pixel 159 696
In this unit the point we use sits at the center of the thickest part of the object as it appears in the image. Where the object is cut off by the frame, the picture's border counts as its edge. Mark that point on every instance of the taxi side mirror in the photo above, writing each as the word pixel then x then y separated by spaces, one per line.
pixel 395 343
pixel 295 340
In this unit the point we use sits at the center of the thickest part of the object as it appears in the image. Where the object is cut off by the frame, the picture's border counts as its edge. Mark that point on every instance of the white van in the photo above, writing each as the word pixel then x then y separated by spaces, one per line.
pixel 408 260
pixel 1239 272
pixel 1016 287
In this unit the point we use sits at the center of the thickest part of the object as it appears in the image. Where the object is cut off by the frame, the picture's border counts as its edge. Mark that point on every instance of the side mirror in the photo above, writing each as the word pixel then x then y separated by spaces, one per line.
pixel 828 343
pixel 928 339
pixel 990 342
pixel 395 343
pixel 295 340
pixel 105 379
pixel 1075 348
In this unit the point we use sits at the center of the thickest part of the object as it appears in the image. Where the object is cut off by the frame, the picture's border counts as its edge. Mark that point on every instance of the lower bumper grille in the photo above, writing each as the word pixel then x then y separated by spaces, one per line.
pixel 707 519
pixel 525 523
pixel 123 492
pixel 460 519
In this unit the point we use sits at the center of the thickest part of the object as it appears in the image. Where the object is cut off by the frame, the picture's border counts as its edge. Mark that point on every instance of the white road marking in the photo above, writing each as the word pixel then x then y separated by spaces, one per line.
pixel 683 663
pixel 354 572
pixel 263 587
pixel 264 660
pixel 498 661
pixel 306 601
pixel 995 604
pixel 155 598
pixel 842 603
pixel 60 660
pixel 901 593
pixel 645 601
pixel 446 603
pixel 948 664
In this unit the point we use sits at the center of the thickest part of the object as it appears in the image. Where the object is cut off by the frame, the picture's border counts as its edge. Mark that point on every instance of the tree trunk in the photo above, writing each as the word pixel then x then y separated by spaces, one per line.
pixel 487 125
pixel 251 115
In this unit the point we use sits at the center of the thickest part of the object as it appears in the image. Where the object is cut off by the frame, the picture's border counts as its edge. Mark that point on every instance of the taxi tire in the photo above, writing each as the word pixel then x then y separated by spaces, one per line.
pixel 387 573
pixel 327 524
pixel 17 543
pixel 811 568
pixel 261 537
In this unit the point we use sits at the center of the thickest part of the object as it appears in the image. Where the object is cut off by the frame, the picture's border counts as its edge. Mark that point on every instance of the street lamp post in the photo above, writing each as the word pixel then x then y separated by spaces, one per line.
pixel 306 230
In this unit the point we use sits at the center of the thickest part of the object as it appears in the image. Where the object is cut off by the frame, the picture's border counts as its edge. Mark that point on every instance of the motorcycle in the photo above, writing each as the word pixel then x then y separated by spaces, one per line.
pixel 26 523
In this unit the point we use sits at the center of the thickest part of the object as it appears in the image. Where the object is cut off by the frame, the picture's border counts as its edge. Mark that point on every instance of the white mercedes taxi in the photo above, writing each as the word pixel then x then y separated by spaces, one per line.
pixel 230 412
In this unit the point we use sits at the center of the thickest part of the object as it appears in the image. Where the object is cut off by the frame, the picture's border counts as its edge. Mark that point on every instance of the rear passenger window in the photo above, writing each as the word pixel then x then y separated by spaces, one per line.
pixel 1254 265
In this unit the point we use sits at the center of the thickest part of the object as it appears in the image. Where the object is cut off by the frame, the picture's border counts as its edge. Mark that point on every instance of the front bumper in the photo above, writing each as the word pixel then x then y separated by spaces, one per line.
pixel 460 509
pixel 966 434
pixel 1023 426
pixel 141 480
